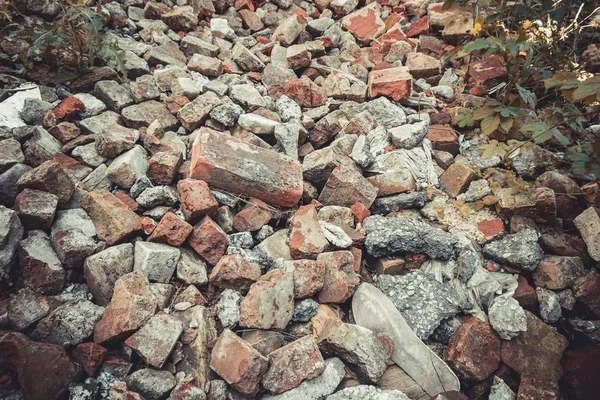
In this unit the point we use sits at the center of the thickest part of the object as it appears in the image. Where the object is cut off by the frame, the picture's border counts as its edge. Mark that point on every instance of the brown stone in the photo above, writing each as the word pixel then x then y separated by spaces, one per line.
pixel 264 341
pixel 234 272
pixel 421 65
pixel 418 27
pixel 196 199
pixel 115 140
pixel 486 69
pixel 238 363
pixel 340 279
pixel 443 138
pixel 36 208
pixel 581 367
pixel 90 356
pixel 67 109
pixel 254 216
pixel 365 24
pixel 86 82
pixel 557 272
pixel 238 167
pixel 269 303
pixel 360 212
pixel 587 292
pixel 163 167
pixel 525 294
pixel 298 56
pixel 41 269
pixel 49 177
pixel 564 244
pixel 346 186
pixel 389 265
pixel 209 66
pixel 309 277
pixel 251 20
pixel 537 388
pixel 119 391
pixel 132 304
pixel 131 203
pixel 44 370
pixel 171 230
pixel 306 237
pixel 491 228
pixel 393 182
pixel 456 179
pixel 65 131
pixel 305 92
pixel 474 350
pixel 26 308
pixel 537 352
pixel 209 240
pixel 292 364
pixel 538 204
pixel 395 83
pixel 113 219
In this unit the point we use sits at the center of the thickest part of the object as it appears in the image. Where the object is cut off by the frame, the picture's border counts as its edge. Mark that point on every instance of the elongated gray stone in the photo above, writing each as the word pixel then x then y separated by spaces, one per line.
pixel 374 310
pixel 386 236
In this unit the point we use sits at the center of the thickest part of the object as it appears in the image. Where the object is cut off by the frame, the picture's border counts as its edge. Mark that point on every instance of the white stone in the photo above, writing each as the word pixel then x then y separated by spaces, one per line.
pixel 156 260
pixel 128 167
pixel 257 124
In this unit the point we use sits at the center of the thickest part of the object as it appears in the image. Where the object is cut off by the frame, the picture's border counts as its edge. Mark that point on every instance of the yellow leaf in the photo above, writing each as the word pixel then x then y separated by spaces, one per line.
pixel 489 124
pixel 439 210
pixel 489 200
pixel 477 205
pixel 527 24
pixel 481 113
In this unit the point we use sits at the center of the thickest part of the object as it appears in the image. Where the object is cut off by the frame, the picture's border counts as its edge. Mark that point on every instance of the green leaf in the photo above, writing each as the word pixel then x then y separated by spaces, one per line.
pixel 543 137
pixel 513 48
pixel 509 111
pixel 558 135
pixel 477 44
pixel 527 96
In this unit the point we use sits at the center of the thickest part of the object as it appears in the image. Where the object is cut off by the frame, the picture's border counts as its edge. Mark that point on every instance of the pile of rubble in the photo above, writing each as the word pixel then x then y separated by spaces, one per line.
pixel 270 207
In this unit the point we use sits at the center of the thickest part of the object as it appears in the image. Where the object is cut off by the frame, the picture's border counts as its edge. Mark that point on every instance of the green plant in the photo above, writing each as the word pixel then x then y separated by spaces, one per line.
pixel 540 42
pixel 71 44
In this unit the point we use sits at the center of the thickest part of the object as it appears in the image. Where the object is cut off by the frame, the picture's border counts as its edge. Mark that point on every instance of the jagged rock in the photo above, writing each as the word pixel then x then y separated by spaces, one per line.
pixel 357 346
pixel 423 301
pixel 386 236
pixel 69 324
pixel 150 383
pixel 519 249
pixel 318 387
pixel 507 317
pixel 11 234
pixel 367 393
